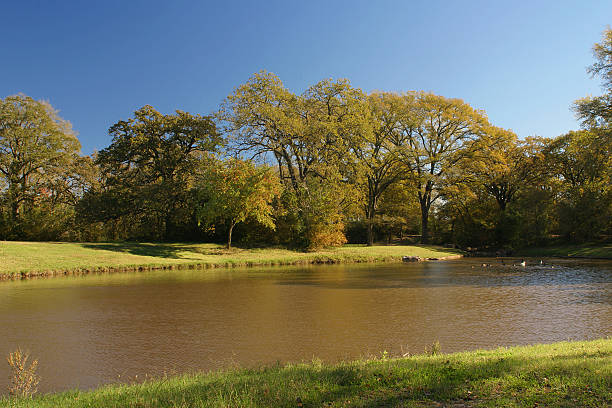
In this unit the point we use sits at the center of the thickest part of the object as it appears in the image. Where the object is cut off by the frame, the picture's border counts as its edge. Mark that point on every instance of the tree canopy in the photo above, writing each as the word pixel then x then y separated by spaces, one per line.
pixel 234 191
pixel 149 166
pixel 596 111
pixel 330 165
pixel 39 159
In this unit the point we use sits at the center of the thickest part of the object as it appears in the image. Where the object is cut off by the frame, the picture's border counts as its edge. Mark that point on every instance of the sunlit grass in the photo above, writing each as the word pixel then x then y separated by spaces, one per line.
pixel 576 374
pixel 41 257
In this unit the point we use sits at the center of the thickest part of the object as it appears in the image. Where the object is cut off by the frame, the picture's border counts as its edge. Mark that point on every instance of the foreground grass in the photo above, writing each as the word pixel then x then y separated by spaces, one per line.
pixel 578 251
pixel 50 257
pixel 576 374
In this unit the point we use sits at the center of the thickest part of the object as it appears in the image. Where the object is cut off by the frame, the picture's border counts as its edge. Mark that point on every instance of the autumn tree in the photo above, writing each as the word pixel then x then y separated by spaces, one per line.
pixel 504 165
pixel 235 191
pixel 306 136
pixel 375 156
pixel 435 135
pixel 39 159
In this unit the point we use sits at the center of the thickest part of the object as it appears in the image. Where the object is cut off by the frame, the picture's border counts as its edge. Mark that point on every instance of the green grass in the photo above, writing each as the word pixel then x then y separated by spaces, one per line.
pixel 578 251
pixel 59 257
pixel 568 374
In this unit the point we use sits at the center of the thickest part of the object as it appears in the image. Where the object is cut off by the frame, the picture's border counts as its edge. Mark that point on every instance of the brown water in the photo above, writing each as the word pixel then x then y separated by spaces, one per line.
pixel 90 330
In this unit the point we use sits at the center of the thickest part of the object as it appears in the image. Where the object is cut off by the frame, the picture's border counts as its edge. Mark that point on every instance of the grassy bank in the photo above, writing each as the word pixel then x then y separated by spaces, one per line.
pixel 48 258
pixel 603 251
pixel 576 374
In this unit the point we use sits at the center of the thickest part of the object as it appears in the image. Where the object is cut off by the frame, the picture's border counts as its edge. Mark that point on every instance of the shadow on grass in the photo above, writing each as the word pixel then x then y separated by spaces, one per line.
pixel 521 379
pixel 157 250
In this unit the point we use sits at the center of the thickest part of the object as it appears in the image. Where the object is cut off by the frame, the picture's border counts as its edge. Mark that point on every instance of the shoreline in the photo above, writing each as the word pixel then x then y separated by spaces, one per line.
pixel 28 260
pixel 237 259
pixel 202 266
pixel 577 373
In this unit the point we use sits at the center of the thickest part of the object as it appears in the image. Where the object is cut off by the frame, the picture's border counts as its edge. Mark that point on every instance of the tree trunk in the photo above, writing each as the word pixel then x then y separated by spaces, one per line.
pixel 424 226
pixel 371 210
pixel 370 219
pixel 14 210
pixel 229 235
pixel 167 227
pixel 370 231
pixel 13 202
pixel 425 202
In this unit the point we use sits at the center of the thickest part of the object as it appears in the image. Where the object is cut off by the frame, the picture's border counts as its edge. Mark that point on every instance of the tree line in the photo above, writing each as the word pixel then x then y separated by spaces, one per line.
pixel 330 165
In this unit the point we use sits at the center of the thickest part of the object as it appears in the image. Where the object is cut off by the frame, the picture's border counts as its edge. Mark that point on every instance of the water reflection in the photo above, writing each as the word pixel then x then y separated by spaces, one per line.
pixel 90 330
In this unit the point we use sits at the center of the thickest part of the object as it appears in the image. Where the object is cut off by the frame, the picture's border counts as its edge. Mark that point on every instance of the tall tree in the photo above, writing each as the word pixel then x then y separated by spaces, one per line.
pixel 38 149
pixel 597 110
pixel 148 167
pixel 582 161
pixel 436 135
pixel 305 135
pixel 376 157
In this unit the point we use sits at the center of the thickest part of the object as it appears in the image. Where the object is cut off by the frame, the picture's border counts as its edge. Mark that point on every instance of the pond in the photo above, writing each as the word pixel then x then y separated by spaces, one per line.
pixel 90 330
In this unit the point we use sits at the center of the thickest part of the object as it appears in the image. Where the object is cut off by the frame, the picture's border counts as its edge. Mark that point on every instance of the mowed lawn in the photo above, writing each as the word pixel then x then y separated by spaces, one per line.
pixel 574 374
pixel 32 257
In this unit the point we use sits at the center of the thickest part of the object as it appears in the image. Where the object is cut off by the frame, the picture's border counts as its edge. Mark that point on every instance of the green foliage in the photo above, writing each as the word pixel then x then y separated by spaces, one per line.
pixel 596 111
pixel 148 171
pixel 323 222
pixel 582 162
pixel 41 173
pixel 505 165
pixel 382 166
pixel 308 137
pixel 436 135
pixel 234 191
pixel 376 159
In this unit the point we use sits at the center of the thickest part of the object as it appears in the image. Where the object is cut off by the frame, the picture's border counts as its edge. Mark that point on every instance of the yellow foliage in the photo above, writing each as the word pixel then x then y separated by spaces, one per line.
pixel 24 380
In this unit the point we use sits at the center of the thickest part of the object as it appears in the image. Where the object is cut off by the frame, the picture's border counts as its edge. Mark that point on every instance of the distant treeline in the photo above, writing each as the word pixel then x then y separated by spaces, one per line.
pixel 311 170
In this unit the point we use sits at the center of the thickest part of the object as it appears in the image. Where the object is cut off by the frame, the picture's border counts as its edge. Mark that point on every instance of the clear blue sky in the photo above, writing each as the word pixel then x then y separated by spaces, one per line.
pixel 98 61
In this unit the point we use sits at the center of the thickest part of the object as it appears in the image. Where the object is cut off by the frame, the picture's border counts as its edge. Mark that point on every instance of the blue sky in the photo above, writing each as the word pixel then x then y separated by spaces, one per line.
pixel 521 61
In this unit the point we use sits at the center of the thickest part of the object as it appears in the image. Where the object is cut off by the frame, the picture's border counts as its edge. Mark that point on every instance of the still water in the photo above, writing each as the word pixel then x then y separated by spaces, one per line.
pixel 86 331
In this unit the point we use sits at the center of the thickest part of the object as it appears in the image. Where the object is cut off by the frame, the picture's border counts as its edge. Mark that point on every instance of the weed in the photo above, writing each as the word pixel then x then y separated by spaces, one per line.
pixel 434 349
pixel 24 379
